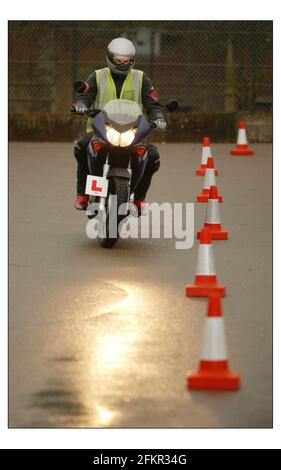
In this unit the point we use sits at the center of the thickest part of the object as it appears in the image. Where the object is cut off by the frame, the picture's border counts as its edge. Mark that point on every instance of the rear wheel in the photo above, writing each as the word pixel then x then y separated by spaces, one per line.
pixel 118 187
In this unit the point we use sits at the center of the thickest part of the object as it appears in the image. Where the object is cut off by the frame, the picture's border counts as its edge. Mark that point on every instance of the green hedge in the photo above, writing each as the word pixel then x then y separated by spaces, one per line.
pixel 64 127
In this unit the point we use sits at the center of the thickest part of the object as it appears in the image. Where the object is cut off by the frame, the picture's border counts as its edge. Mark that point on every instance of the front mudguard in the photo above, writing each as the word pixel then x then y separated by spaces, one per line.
pixel 119 172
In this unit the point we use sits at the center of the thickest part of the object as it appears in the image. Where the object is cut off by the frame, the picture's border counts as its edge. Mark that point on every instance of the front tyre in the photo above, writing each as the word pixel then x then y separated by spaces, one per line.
pixel 118 187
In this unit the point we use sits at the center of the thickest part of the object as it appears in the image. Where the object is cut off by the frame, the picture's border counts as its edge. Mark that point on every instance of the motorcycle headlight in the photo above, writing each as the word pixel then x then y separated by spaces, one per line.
pixel 123 139
pixel 127 138
pixel 113 136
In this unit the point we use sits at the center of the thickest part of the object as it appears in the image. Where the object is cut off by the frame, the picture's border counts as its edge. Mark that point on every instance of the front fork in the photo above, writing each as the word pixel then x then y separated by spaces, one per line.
pixel 130 195
pixel 106 168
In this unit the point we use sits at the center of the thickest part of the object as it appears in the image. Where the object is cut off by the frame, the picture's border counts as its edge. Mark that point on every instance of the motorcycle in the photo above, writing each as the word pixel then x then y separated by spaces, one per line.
pixel 117 158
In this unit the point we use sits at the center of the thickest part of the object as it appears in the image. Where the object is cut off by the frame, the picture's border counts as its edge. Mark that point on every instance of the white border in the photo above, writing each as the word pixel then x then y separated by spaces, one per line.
pixel 180 438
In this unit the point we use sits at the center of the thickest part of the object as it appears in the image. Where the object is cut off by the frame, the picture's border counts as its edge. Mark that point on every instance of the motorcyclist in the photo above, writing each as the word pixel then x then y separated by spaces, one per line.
pixel 118 80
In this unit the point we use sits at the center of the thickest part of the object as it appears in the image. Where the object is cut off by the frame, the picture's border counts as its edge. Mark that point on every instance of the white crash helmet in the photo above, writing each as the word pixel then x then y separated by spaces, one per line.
pixel 124 48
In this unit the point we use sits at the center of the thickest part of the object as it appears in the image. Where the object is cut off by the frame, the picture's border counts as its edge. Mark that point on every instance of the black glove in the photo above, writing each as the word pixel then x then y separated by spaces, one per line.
pixel 161 124
pixel 81 108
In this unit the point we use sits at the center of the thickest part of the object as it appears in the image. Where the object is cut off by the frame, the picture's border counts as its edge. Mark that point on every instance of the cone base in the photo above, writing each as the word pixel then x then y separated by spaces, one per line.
pixel 201 172
pixel 205 197
pixel 204 290
pixel 216 234
pixel 214 380
pixel 241 152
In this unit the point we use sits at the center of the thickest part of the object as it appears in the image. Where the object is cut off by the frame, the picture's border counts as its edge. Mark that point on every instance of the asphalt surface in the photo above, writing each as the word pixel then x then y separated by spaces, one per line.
pixel 104 338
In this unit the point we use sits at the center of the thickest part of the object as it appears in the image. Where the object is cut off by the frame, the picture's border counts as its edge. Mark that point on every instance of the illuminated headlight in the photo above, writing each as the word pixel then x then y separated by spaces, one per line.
pixel 127 138
pixel 123 139
pixel 113 136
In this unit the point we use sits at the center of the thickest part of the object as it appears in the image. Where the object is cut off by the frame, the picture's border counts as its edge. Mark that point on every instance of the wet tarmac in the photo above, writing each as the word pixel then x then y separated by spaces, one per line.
pixel 104 338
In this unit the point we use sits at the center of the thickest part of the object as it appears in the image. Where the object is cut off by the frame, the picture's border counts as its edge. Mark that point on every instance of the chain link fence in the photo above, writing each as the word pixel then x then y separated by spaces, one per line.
pixel 208 66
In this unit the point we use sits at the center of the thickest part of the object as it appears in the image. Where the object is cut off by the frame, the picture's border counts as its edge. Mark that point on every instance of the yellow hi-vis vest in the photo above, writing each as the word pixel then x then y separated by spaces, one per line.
pixel 106 89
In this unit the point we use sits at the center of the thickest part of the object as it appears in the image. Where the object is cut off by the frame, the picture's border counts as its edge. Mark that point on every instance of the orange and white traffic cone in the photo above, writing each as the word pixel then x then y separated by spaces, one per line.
pixel 209 180
pixel 213 372
pixel 212 219
pixel 205 277
pixel 242 144
pixel 206 153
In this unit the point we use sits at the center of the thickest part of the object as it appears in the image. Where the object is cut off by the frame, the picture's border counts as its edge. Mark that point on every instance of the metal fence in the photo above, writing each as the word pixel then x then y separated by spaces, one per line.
pixel 208 66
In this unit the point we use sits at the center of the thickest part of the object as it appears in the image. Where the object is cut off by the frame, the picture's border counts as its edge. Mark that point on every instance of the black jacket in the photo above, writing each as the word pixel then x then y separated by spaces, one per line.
pixel 149 100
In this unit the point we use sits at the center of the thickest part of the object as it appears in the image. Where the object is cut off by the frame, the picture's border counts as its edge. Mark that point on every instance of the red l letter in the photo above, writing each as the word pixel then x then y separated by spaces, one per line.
pixel 95 187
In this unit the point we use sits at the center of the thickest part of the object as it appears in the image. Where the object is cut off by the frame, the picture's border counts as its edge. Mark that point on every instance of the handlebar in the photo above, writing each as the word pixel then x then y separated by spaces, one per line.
pixel 88 113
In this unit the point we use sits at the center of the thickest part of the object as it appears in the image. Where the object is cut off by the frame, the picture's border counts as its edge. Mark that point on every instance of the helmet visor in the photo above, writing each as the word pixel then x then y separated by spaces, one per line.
pixel 121 60
pixel 123 63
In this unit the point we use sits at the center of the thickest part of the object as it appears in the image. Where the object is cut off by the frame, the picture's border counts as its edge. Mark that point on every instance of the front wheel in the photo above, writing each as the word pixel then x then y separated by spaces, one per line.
pixel 118 187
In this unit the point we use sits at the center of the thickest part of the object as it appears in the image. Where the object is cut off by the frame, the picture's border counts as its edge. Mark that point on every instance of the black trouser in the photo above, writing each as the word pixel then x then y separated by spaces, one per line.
pixel 80 153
